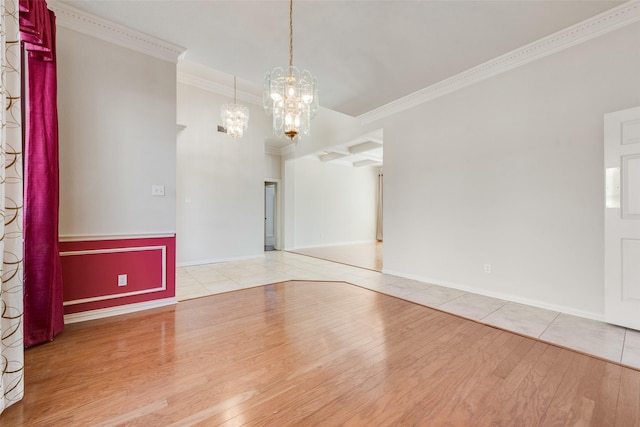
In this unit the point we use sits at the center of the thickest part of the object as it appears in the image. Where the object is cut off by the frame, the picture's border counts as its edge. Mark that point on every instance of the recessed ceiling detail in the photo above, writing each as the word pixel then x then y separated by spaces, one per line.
pixel 366 150
pixel 327 157
pixel 366 162
pixel 364 147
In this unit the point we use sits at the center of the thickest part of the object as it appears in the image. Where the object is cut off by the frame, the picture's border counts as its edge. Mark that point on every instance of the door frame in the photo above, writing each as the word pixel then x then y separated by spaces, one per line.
pixel 277 222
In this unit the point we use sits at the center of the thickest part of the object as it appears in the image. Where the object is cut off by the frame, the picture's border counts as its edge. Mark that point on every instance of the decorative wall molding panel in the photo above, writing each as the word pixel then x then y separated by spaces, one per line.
pixel 95 237
pixel 83 22
pixel 100 274
pixel 613 19
pixel 105 268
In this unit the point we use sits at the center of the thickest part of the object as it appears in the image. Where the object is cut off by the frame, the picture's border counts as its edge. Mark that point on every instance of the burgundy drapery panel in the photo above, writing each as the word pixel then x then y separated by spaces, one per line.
pixel 43 310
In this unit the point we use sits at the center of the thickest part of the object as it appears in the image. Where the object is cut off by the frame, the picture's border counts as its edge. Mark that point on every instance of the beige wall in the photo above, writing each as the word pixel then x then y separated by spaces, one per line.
pixel 334 204
pixel 509 172
pixel 220 181
pixel 117 121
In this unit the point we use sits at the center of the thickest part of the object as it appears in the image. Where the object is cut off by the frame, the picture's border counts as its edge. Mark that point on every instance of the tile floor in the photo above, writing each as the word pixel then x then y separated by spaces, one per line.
pixel 597 338
pixel 366 255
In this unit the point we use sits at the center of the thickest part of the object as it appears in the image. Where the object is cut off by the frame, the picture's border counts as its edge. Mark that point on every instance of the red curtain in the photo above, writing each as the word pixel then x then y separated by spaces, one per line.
pixel 43 310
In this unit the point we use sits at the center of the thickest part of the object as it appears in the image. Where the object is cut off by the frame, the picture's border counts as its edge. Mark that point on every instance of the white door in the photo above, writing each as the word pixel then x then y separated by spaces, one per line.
pixel 269 216
pixel 622 217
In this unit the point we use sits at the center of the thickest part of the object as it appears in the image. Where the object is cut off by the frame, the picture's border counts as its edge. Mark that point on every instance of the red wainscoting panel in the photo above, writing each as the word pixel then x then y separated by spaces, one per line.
pixel 90 271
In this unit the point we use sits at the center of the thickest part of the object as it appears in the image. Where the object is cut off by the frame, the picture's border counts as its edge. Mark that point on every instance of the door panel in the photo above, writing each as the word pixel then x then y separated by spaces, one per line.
pixel 631 269
pixel 631 186
pixel 622 220
pixel 631 131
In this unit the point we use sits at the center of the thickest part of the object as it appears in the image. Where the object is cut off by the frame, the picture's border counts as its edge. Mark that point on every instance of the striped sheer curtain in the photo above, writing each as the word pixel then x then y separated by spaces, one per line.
pixel 11 248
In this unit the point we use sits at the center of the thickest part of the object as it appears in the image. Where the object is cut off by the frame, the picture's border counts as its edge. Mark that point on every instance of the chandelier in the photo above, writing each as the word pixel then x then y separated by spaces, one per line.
pixel 235 117
pixel 290 96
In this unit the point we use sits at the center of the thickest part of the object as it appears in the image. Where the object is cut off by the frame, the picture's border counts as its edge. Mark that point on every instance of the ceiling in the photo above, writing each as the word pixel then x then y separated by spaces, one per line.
pixel 364 53
pixel 366 150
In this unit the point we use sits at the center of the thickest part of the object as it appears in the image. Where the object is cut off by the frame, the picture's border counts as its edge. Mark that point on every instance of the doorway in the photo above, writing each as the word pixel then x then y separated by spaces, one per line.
pixel 269 216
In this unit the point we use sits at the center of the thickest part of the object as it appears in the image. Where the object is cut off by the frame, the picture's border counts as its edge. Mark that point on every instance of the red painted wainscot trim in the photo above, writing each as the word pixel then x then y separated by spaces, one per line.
pixel 90 271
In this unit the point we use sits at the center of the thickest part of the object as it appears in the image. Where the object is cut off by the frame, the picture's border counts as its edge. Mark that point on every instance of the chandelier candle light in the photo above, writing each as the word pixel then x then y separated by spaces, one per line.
pixel 290 96
pixel 235 117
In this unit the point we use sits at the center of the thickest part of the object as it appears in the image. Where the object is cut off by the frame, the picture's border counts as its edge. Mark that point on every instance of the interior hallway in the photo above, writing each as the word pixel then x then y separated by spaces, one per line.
pixel 596 338
pixel 364 255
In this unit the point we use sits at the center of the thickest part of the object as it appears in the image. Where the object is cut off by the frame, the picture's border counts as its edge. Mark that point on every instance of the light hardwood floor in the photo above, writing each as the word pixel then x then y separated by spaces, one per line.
pixel 586 335
pixel 314 353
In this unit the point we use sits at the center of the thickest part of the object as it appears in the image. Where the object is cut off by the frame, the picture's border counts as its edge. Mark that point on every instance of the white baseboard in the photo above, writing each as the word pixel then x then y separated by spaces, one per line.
pixel 217 260
pixel 500 295
pixel 114 311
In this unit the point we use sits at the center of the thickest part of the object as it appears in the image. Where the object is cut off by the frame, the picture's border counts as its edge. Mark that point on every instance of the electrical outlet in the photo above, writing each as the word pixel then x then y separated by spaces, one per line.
pixel 122 280
pixel 157 190
pixel 487 268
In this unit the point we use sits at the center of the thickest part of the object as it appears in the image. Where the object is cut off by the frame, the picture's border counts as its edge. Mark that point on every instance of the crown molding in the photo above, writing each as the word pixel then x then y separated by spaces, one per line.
pixel 83 22
pixel 288 150
pixel 280 151
pixel 217 87
pixel 603 23
pixel 276 151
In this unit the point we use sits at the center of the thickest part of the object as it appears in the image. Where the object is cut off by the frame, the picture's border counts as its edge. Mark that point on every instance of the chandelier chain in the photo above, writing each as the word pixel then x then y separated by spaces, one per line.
pixel 234 90
pixel 291 33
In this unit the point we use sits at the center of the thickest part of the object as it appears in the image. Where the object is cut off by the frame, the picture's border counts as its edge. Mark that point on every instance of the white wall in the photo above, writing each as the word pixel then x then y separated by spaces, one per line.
pixel 333 204
pixel 220 182
pixel 117 112
pixel 272 166
pixel 329 128
pixel 509 172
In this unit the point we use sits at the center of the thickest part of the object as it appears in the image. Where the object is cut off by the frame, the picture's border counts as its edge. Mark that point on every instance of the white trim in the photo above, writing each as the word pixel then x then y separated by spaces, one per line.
pixel 216 87
pixel 610 20
pixel 92 25
pixel 276 151
pixel 288 149
pixel 115 311
pixel 499 295
pixel 161 288
pixel 97 237
pixel 114 250
pixel 218 260
pixel 279 211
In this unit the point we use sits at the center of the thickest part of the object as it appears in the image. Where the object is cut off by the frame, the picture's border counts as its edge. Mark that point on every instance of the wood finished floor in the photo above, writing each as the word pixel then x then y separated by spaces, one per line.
pixel 314 353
